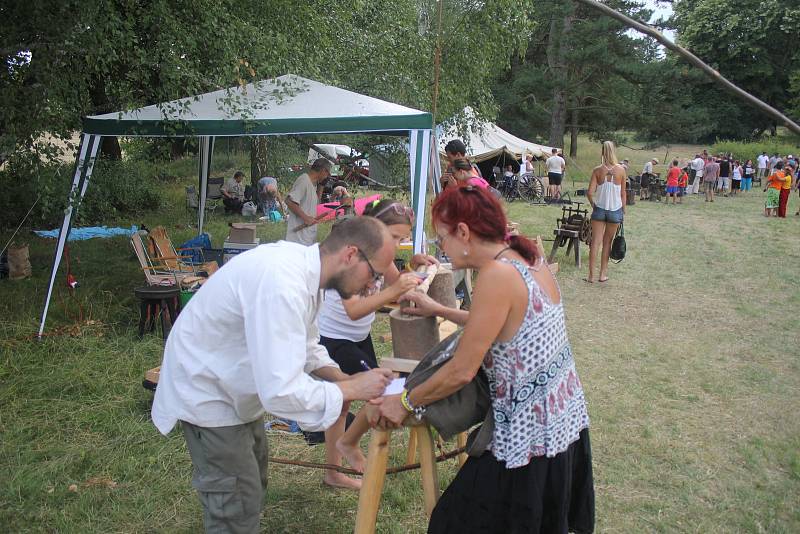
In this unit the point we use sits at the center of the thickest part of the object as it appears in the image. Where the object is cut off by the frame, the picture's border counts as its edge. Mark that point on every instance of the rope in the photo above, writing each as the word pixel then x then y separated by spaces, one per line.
pixel 348 471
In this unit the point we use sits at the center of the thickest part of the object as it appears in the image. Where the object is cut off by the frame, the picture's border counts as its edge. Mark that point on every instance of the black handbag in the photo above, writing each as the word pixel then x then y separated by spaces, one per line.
pixel 464 408
pixel 618 246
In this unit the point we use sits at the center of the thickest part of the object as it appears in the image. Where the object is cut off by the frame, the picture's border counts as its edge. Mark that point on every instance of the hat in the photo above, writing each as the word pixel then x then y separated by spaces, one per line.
pixel 655 160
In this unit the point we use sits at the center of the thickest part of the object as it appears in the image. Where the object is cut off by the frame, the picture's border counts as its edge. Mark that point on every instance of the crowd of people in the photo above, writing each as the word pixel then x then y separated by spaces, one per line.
pixel 285 328
pixel 724 175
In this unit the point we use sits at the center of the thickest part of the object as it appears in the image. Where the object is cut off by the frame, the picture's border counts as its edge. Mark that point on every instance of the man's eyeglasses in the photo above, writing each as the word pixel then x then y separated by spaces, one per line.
pixel 372 272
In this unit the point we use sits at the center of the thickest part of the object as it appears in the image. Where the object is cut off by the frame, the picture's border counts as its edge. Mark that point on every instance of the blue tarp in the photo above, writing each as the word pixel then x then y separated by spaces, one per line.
pixel 89 232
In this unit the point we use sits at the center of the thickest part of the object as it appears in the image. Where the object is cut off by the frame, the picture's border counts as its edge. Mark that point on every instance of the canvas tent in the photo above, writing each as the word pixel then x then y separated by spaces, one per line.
pixel 487 142
pixel 285 105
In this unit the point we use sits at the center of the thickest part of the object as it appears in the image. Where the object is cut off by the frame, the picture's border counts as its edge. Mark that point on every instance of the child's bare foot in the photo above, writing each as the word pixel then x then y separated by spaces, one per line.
pixel 353 455
pixel 340 480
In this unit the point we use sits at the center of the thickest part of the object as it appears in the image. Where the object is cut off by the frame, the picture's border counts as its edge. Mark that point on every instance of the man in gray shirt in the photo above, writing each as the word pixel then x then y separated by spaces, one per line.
pixel 302 202
pixel 710 175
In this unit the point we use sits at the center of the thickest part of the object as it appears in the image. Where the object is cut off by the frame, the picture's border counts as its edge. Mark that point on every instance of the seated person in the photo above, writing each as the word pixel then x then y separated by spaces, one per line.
pixel 233 193
pixel 269 198
pixel 341 195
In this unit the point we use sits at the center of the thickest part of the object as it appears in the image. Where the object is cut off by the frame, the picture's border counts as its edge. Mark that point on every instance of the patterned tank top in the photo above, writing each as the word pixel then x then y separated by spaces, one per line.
pixel 537 398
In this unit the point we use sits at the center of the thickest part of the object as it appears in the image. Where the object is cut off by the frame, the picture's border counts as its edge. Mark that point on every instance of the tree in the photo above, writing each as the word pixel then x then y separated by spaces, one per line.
pixel 754 44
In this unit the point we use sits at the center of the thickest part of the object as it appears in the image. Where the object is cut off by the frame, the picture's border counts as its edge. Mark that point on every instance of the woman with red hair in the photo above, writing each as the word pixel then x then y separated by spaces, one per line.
pixel 536 473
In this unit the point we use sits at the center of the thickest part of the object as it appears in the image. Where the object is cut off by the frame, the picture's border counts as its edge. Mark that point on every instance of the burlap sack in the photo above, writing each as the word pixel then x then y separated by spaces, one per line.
pixel 19 264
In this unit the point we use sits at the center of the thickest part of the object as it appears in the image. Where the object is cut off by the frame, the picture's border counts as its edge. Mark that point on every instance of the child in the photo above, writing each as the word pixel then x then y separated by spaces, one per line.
pixel 673 176
pixel 737 172
pixel 345 324
pixel 749 172
pixel 683 181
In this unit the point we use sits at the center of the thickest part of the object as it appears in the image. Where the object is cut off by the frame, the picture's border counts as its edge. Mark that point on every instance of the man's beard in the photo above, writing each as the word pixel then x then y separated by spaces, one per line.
pixel 339 283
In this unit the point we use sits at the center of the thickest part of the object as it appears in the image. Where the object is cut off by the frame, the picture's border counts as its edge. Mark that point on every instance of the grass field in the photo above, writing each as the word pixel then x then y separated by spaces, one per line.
pixel 689 355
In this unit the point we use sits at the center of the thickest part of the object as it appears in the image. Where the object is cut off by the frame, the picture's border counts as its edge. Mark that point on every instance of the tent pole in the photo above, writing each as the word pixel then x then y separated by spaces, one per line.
pixel 202 179
pixel 419 162
pixel 84 165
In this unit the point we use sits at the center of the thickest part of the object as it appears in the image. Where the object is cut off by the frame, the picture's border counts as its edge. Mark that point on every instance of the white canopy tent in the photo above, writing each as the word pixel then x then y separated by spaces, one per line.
pixel 486 140
pixel 285 105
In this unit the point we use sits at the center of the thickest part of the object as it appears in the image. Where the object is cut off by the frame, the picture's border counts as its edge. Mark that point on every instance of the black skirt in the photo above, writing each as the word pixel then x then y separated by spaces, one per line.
pixel 549 495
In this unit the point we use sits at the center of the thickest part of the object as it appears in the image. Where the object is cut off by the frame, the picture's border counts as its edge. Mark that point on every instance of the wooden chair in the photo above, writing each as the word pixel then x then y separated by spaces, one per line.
pixel 166 253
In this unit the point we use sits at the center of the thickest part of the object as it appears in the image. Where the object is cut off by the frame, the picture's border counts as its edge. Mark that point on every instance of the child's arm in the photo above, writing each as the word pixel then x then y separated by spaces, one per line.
pixel 358 307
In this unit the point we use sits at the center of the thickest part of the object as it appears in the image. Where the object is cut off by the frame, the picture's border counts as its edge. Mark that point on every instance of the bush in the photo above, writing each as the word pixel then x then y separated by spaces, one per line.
pixel 750 150
pixel 116 188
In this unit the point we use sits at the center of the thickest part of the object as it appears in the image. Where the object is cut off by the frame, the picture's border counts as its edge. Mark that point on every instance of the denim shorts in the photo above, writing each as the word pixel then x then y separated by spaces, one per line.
pixel 599 214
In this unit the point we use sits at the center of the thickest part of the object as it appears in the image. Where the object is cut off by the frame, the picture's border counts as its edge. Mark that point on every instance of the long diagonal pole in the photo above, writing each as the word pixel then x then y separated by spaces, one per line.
pixel 696 61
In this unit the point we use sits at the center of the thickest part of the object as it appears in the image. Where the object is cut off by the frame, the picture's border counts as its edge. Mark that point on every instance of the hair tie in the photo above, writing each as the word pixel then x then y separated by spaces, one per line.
pixel 507 237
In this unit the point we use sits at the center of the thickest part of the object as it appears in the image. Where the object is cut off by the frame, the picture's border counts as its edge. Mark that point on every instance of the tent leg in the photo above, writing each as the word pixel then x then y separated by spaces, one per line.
pixel 206 147
pixel 84 165
pixel 419 163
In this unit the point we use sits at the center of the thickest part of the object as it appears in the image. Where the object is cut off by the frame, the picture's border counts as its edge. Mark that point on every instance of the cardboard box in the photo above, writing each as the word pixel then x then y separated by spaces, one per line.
pixel 231 249
pixel 242 233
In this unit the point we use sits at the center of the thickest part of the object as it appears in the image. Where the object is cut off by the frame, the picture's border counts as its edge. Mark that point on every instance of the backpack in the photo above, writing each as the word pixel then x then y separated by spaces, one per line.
pixel 618 246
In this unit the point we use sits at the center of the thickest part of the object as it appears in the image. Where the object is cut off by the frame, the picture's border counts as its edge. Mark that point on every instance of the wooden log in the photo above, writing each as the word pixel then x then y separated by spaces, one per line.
pixel 442 288
pixel 411 453
pixel 412 336
pixel 427 462
pixel 369 497
pixel 152 375
pixel 398 365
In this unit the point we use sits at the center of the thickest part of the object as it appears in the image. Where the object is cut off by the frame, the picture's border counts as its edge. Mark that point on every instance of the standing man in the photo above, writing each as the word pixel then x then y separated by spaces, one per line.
pixel 698 164
pixel 724 180
pixel 555 172
pixel 248 342
pixel 710 175
pixel 763 161
pixel 647 177
pixel 302 202
pixel 233 193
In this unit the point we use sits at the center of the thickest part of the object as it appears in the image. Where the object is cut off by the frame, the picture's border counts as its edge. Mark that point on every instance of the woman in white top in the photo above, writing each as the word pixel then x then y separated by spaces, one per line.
pixel 344 325
pixel 607 196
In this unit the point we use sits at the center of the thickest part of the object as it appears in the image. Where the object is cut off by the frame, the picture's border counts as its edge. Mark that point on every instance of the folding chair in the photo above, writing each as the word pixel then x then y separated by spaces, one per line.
pixel 166 254
pixel 155 273
pixel 214 193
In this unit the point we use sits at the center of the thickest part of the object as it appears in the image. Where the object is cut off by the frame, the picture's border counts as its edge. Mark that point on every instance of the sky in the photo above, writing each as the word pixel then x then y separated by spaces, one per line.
pixel 661 10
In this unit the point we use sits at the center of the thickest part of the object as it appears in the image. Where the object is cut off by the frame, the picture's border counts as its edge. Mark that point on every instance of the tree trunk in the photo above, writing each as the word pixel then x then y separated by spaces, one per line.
pixel 110 148
pixel 258 159
pixel 556 60
pixel 177 148
pixel 573 133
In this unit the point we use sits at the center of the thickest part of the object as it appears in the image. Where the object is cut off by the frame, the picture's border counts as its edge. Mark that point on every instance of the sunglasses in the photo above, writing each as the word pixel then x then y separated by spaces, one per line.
pixel 399 209
pixel 372 272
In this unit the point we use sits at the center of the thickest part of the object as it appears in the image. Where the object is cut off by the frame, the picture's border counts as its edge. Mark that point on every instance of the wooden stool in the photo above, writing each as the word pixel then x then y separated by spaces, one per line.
pixel 369 497
pixel 155 300
pixel 571 237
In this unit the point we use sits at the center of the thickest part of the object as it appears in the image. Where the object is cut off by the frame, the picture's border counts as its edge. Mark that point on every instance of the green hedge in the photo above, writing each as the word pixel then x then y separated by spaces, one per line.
pixel 116 189
pixel 750 150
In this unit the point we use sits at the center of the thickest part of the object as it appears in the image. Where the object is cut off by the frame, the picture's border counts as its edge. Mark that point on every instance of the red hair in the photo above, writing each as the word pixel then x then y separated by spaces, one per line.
pixel 482 213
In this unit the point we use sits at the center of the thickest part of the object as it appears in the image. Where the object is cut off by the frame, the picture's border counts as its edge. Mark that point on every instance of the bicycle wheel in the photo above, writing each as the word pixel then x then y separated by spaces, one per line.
pixel 532 189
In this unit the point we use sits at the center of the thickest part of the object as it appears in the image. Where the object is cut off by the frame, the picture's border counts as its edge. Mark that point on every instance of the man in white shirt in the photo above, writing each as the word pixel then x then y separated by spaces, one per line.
pixel 763 161
pixel 555 173
pixel 302 202
pixel 247 343
pixel 697 166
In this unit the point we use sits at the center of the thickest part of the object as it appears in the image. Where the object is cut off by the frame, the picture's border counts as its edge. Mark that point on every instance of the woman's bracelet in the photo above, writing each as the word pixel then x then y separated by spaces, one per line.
pixel 404 401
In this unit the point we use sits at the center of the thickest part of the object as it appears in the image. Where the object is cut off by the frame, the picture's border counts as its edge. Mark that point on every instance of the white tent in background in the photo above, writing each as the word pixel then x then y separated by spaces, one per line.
pixel 486 140
pixel 281 106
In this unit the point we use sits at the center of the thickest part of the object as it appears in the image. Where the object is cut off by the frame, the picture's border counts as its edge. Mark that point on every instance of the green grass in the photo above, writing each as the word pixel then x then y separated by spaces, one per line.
pixel 689 358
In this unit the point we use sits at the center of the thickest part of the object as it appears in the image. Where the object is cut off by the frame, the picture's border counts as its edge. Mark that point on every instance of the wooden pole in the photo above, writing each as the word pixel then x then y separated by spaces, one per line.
pixel 369 497
pixel 437 60
pixel 697 62
pixel 427 461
